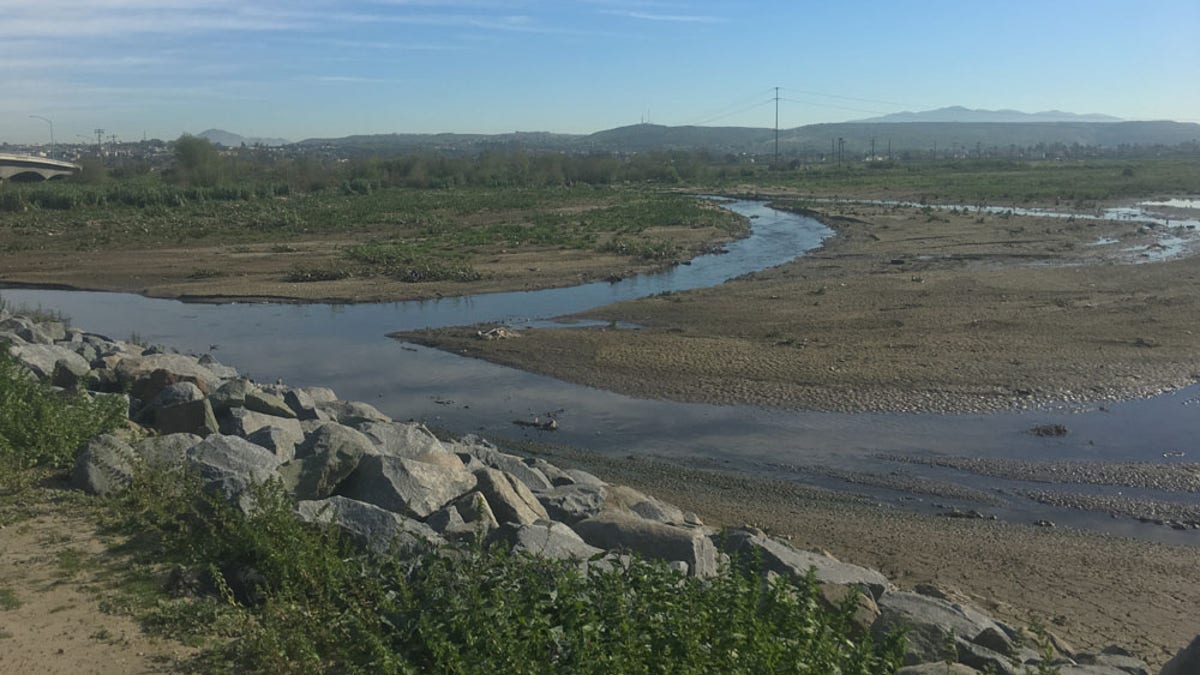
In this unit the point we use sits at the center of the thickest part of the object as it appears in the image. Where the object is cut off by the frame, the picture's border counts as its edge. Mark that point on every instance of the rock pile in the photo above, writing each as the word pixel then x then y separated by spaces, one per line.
pixel 395 486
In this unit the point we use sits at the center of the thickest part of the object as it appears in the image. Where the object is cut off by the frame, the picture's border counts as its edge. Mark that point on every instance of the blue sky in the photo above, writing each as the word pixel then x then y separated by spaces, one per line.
pixel 308 68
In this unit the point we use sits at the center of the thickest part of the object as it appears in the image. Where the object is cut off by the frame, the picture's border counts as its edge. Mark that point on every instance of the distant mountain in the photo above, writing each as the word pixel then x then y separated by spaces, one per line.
pixel 232 140
pixel 811 139
pixel 958 113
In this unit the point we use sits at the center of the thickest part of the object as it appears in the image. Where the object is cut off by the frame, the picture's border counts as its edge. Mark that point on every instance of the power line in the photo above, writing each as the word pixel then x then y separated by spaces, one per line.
pixel 724 111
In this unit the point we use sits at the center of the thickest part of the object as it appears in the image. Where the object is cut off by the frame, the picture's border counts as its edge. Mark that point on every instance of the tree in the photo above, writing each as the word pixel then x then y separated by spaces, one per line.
pixel 198 159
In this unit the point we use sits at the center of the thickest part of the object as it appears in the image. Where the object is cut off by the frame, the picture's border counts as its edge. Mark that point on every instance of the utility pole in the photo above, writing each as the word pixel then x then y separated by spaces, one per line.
pixel 776 126
pixel 872 148
pixel 99 141
pixel 832 148
pixel 47 120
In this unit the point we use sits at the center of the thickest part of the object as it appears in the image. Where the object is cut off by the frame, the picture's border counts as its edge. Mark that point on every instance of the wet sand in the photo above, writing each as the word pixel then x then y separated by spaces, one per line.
pixel 905 310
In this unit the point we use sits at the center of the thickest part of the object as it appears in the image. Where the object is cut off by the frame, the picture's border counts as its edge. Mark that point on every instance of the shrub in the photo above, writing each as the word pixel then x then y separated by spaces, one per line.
pixel 40 427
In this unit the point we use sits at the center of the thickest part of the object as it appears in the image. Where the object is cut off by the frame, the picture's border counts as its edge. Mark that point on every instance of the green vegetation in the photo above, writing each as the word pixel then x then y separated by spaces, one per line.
pixel 318 605
pixel 998 181
pixel 8 600
pixel 40 427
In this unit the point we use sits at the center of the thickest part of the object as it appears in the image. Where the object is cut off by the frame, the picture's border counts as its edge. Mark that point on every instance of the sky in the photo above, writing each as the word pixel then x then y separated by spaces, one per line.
pixel 322 68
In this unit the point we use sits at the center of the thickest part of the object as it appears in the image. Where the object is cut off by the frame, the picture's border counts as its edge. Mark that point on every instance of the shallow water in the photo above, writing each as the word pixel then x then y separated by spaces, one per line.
pixel 344 347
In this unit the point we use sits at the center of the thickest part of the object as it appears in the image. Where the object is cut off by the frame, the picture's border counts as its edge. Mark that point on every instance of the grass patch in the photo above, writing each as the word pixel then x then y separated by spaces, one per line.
pixel 8 600
pixel 43 428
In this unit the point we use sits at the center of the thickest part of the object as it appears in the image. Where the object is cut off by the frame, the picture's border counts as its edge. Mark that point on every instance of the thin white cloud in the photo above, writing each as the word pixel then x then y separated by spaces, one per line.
pixel 671 18
pixel 351 79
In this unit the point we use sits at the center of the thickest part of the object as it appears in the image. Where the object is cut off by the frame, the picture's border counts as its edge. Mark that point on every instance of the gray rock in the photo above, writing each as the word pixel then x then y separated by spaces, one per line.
pixel 104 466
pixel 555 475
pixel 490 456
pixel 1186 662
pixel 584 478
pixel 468 518
pixel 406 486
pixel 572 503
pixel 510 500
pixel 268 404
pixel 1068 669
pixel 937 669
pixel 351 413
pixel 302 405
pixel 220 370
pixel 327 457
pixel 931 623
pixel 43 359
pixel 231 466
pixel 167 451
pixel 243 422
pixel 184 368
pixel 319 394
pixel 326 436
pixel 180 392
pixel 1124 662
pixel 192 417
pixel 548 539
pixel 369 526
pixel 982 658
pixel 25 329
pixel 612 530
pixel 71 373
pixel 996 640
pixel 281 443
pixel 231 394
pixel 401 439
pixel 782 558
pixel 622 497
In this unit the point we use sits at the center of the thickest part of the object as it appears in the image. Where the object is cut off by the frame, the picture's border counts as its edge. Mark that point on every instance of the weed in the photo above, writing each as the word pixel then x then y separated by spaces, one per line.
pixel 8 600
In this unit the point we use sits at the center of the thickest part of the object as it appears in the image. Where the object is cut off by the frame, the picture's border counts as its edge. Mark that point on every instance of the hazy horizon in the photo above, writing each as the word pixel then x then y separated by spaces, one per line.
pixel 317 68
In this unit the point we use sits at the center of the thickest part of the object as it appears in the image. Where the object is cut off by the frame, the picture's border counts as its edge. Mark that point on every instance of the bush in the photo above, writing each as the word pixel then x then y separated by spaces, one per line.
pixel 40 427
pixel 320 605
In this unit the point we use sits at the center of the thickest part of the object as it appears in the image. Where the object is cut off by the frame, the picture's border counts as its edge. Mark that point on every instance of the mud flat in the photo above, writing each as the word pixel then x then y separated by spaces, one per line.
pixel 906 310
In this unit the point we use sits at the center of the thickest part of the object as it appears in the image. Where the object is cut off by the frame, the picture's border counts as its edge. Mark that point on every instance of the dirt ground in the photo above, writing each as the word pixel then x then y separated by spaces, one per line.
pixel 259 271
pixel 58 570
pixel 904 310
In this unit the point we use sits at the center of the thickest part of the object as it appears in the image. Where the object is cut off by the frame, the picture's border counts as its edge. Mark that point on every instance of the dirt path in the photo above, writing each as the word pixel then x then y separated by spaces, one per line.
pixel 55 573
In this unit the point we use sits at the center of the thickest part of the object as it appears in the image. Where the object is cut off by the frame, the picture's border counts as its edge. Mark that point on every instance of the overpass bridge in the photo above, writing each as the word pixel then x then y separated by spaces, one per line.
pixel 31 168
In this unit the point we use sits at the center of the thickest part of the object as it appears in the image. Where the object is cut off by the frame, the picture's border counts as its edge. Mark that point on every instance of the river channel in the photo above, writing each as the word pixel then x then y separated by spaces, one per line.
pixel 345 347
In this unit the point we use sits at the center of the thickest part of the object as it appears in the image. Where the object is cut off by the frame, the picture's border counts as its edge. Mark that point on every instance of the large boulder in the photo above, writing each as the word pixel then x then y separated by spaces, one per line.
pixel 371 527
pixel 45 359
pixel 406 486
pixel 352 413
pixel 402 439
pixel 468 518
pixel 510 500
pixel 104 466
pixel 615 529
pixel 231 466
pixel 268 404
pixel 782 558
pixel 192 417
pixel 243 422
pixel 1186 662
pixel 28 330
pixel 931 624
pixel 572 503
pixel 548 539
pixel 326 458
pixel 139 373
pixel 166 452
pixel 488 454
pixel 622 497
pixel 231 394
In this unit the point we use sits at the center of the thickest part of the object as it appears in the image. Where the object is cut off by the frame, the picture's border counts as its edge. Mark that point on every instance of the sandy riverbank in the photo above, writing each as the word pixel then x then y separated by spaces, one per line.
pixel 904 310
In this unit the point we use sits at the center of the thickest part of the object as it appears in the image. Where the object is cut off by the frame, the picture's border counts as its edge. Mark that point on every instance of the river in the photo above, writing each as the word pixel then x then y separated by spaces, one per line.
pixel 344 347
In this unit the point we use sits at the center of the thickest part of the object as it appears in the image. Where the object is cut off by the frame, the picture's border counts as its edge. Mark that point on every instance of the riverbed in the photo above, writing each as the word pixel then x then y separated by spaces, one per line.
pixel 344 347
